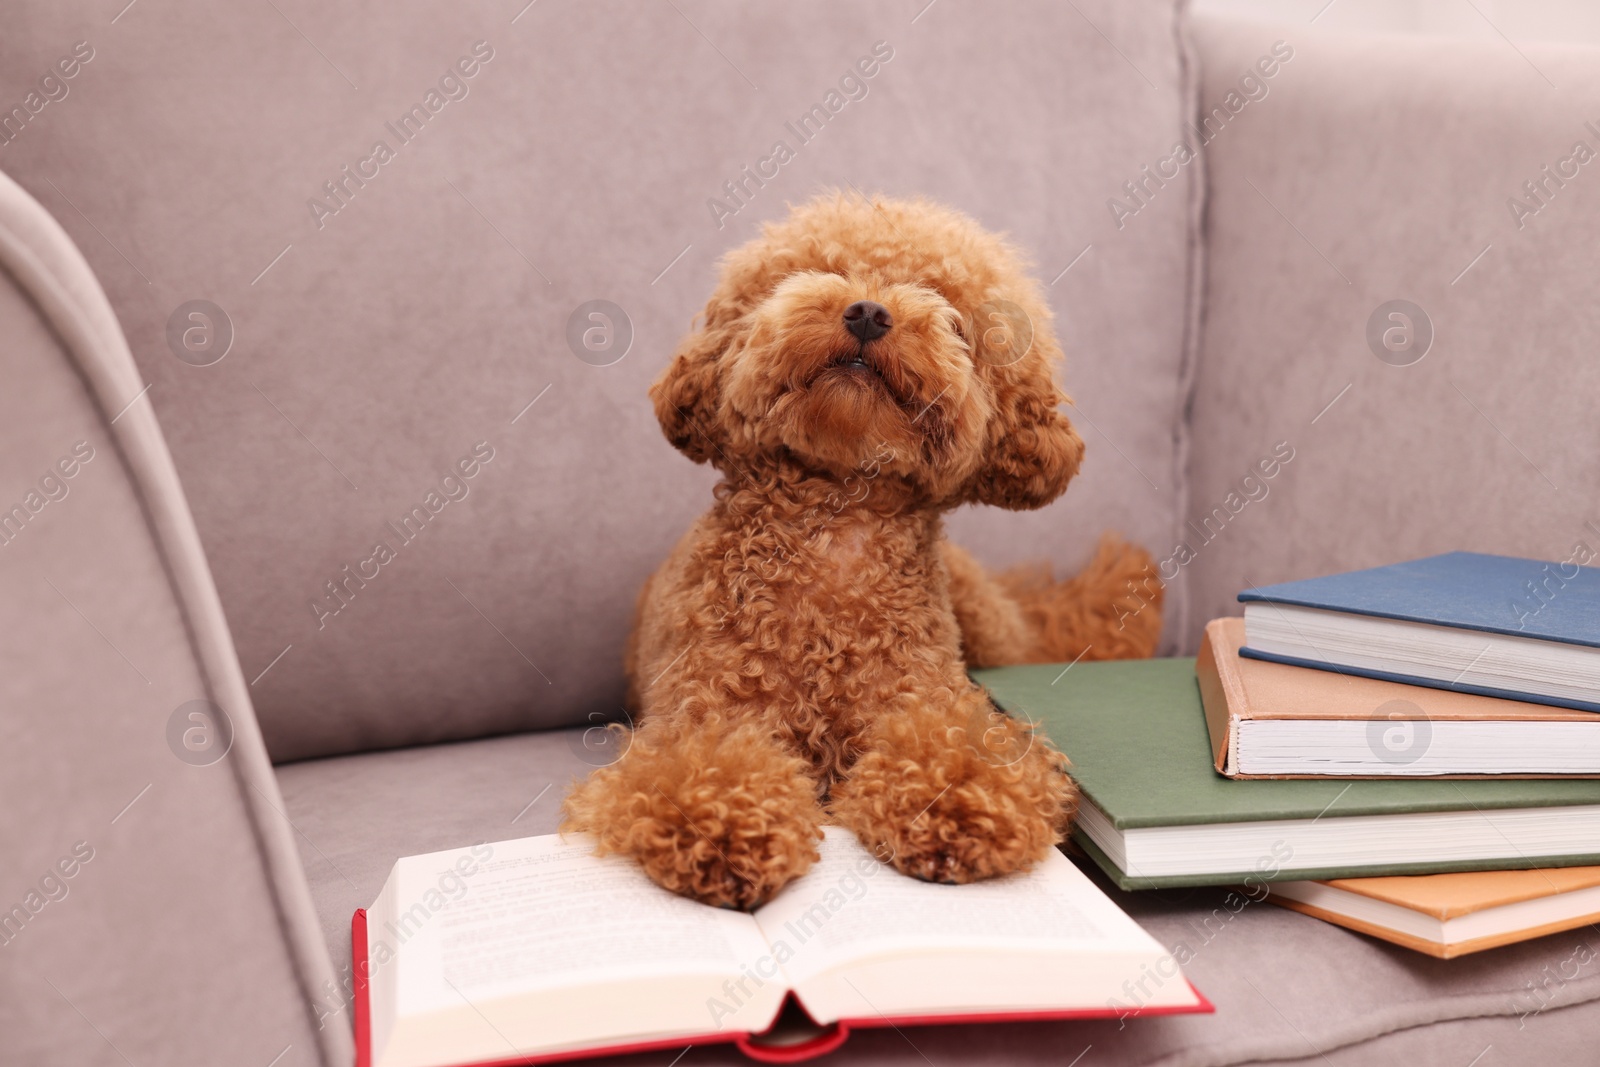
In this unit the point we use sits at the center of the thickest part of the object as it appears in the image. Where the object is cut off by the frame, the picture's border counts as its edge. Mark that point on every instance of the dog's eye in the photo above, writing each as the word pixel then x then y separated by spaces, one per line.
pixel 961 330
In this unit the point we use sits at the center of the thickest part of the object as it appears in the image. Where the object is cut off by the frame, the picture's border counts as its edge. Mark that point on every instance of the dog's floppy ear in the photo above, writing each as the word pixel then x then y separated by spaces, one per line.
pixel 686 394
pixel 1033 450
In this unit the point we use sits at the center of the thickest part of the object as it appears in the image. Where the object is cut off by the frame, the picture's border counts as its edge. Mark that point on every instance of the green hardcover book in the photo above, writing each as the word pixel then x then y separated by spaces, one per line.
pixel 1155 813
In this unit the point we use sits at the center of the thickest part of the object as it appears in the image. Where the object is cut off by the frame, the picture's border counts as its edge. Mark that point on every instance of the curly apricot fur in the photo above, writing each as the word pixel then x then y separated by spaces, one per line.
pixel 802 654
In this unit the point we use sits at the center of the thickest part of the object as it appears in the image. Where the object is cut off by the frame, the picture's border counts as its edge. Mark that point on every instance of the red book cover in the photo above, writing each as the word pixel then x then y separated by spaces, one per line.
pixel 751 1044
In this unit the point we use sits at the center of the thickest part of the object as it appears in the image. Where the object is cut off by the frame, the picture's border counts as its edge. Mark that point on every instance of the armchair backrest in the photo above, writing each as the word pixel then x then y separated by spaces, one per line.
pixel 348 245
pixel 1402 241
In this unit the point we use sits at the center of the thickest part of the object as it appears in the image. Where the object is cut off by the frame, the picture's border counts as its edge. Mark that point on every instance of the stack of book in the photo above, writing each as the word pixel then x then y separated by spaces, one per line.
pixel 1411 751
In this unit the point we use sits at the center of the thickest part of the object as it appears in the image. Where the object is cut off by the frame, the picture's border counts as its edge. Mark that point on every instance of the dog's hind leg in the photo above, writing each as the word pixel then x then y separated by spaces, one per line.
pixel 1109 610
pixel 994 631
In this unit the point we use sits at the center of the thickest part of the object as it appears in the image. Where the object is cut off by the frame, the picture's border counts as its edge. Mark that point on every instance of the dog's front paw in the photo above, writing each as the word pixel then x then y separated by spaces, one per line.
pixel 724 818
pixel 971 808
pixel 732 844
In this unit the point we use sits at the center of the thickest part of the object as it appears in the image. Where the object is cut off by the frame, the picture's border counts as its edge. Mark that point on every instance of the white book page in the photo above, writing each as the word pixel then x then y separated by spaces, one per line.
pixel 855 939
pixel 851 906
pixel 518 944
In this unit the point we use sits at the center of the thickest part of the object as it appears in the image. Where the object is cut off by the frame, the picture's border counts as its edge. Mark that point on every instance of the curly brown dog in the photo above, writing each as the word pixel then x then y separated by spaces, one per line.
pixel 863 367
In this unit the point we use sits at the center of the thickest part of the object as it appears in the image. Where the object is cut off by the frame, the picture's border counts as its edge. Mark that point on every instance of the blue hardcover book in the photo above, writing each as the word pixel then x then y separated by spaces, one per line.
pixel 1494 625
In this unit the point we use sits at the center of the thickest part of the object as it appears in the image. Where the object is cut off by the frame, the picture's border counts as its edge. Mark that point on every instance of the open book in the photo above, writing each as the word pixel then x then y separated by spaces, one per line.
pixel 535 949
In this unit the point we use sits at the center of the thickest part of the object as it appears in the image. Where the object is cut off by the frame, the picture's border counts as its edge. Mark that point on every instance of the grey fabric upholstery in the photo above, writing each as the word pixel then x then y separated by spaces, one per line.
pixel 146 880
pixel 1286 986
pixel 422 317
pixel 1377 170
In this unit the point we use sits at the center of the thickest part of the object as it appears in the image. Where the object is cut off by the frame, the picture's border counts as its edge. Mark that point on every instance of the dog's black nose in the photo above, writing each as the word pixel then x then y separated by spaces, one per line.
pixel 868 320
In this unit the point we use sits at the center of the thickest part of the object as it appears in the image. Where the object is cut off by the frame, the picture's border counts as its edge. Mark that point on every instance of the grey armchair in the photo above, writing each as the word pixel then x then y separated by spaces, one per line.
pixel 265 633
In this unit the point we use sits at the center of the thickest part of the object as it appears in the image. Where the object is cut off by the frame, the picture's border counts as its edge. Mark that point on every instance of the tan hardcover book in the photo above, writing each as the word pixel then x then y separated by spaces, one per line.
pixel 1448 915
pixel 1273 720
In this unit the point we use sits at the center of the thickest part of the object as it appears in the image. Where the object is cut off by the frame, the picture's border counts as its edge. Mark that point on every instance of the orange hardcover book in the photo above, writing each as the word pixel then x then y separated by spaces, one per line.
pixel 1273 720
pixel 1448 915
pixel 536 950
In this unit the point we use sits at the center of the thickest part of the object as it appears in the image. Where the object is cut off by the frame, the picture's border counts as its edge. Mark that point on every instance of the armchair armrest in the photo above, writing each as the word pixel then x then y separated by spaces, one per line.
pixel 153 908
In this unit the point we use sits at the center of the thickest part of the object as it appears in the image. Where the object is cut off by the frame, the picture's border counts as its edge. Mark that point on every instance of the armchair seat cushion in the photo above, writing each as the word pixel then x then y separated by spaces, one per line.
pixel 1287 988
